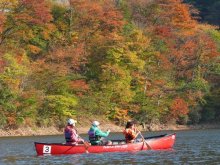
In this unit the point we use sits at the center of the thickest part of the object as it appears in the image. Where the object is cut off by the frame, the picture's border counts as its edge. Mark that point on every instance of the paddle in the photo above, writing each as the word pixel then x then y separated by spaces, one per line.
pixel 85 142
pixel 144 141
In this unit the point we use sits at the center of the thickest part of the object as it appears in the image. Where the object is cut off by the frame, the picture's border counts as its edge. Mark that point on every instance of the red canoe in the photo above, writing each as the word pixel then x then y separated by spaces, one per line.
pixel 151 143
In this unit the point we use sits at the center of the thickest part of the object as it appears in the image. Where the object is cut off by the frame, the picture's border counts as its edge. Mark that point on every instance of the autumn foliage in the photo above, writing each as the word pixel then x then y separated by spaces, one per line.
pixel 179 107
pixel 2 19
pixel 152 61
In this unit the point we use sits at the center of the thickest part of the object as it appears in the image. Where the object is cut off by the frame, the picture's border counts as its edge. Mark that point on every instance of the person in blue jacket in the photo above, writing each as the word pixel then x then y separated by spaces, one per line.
pixel 97 136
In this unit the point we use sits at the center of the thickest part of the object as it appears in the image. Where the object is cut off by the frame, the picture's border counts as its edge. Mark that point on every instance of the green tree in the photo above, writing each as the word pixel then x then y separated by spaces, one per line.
pixel 56 109
pixel 13 81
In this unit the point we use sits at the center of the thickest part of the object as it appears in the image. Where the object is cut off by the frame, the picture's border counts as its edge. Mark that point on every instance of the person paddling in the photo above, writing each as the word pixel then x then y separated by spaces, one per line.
pixel 97 136
pixel 70 133
pixel 130 132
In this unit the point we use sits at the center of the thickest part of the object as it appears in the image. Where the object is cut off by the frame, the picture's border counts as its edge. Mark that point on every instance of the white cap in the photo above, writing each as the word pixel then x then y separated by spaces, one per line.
pixel 71 122
pixel 95 123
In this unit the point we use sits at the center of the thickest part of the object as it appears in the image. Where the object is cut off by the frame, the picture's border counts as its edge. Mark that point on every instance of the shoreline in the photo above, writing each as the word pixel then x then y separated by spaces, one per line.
pixel 28 131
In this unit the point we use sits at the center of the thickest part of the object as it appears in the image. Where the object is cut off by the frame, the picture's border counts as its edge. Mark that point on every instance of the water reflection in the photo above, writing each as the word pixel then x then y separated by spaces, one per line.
pixel 192 147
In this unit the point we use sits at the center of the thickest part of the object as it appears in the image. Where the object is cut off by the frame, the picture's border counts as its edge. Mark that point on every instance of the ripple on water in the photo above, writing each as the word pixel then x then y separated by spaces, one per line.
pixel 191 147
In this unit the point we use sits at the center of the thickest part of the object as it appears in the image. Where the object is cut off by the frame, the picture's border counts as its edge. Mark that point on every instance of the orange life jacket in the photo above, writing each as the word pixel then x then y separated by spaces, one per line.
pixel 130 135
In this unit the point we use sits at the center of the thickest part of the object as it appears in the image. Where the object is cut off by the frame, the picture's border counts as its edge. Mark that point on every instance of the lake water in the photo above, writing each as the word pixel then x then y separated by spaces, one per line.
pixel 192 147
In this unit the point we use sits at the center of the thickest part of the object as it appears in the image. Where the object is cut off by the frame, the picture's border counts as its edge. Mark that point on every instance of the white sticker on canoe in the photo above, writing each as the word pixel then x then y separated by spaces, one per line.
pixel 46 149
pixel 119 146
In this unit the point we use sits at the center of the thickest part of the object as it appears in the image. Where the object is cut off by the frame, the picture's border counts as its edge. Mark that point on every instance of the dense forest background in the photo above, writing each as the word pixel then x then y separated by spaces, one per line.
pixel 152 61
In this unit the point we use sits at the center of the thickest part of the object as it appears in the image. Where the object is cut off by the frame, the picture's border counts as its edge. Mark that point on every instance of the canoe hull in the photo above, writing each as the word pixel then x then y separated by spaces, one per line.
pixel 153 143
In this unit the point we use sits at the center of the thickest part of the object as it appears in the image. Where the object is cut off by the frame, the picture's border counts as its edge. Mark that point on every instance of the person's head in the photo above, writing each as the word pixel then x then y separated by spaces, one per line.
pixel 95 123
pixel 71 122
pixel 130 124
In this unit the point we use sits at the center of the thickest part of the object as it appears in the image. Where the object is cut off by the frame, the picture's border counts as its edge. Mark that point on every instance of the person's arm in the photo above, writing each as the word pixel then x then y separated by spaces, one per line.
pixel 74 135
pixel 98 132
pixel 134 134
pixel 137 133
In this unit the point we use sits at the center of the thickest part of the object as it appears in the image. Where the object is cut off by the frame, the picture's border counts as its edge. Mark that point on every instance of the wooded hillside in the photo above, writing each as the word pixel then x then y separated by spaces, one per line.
pixel 123 59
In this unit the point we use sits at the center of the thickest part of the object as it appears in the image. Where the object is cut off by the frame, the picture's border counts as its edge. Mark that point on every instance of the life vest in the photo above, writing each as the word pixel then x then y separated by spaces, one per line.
pixel 129 135
pixel 93 136
pixel 68 133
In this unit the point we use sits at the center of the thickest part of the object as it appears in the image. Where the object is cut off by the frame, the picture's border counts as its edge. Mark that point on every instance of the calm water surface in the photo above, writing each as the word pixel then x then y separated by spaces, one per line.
pixel 191 147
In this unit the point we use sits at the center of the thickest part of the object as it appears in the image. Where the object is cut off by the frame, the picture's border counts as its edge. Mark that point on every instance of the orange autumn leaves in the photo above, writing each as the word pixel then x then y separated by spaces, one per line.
pixel 179 107
pixel 2 19
pixel 147 60
pixel 36 12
